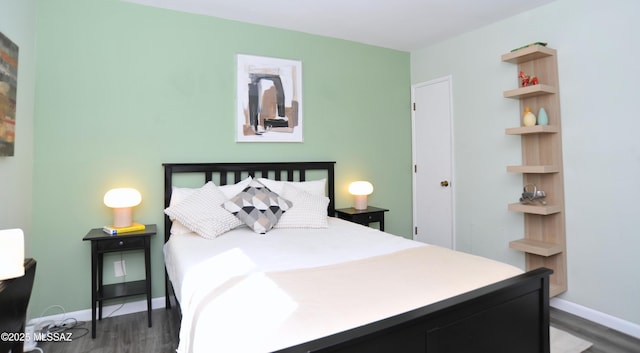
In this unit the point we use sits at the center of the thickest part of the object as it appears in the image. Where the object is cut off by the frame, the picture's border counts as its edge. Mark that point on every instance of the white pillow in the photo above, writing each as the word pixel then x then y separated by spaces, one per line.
pixel 308 210
pixel 202 212
pixel 316 187
pixel 179 194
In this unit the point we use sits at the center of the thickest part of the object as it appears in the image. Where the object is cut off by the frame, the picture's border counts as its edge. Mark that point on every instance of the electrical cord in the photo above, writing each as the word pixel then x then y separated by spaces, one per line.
pixel 69 325
pixel 114 310
pixel 61 325
pixel 64 324
pixel 47 323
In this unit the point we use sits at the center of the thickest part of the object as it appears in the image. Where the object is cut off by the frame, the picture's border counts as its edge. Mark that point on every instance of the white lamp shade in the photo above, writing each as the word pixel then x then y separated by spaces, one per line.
pixel 122 200
pixel 122 197
pixel 11 253
pixel 360 188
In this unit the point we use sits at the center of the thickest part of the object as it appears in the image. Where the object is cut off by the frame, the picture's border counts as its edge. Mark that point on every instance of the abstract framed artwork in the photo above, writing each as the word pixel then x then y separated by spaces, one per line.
pixel 8 88
pixel 269 99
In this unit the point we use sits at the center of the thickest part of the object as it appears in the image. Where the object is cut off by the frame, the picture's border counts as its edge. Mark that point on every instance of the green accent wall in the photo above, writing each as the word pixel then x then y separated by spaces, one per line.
pixel 122 88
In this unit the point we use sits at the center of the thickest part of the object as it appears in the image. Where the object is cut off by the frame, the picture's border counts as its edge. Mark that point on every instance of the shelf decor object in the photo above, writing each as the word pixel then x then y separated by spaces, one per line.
pixel 529 119
pixel 526 80
pixel 544 241
pixel 543 119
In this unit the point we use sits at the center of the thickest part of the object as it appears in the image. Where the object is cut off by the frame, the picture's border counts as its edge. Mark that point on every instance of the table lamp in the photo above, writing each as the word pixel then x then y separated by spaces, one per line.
pixel 360 190
pixel 11 253
pixel 122 200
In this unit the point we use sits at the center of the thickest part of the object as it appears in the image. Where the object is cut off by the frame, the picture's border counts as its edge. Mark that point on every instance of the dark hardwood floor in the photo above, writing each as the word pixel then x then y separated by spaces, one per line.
pixel 604 339
pixel 123 334
pixel 130 334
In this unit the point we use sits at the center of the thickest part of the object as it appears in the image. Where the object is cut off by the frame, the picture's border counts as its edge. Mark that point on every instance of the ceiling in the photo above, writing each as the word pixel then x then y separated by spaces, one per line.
pixel 397 24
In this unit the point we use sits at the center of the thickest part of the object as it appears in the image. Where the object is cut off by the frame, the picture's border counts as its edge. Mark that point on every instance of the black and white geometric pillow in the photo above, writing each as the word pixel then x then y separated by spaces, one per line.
pixel 258 207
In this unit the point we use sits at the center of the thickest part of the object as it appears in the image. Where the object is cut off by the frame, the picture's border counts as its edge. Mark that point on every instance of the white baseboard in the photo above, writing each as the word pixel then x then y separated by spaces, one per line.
pixel 601 318
pixel 107 311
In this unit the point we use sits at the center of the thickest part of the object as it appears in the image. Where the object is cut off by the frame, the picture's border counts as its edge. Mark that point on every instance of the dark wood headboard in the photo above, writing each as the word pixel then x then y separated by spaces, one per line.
pixel 229 173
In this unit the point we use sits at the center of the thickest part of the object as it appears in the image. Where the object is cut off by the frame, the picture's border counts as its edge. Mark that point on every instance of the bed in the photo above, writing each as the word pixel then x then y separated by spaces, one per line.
pixel 341 287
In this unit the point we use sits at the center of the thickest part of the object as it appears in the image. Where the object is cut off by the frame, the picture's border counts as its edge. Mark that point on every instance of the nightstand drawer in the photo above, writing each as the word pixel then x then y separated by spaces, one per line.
pixel 368 218
pixel 121 243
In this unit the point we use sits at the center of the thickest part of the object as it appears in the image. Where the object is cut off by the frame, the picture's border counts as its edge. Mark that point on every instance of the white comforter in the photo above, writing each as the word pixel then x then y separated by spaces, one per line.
pixel 245 292
pixel 188 257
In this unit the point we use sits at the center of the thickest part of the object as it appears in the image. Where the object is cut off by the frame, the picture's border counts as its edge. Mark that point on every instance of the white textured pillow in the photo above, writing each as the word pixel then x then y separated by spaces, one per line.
pixel 201 212
pixel 308 210
pixel 179 194
pixel 316 187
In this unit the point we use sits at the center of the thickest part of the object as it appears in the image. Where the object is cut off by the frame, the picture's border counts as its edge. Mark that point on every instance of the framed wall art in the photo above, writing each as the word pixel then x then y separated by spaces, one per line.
pixel 269 100
pixel 8 88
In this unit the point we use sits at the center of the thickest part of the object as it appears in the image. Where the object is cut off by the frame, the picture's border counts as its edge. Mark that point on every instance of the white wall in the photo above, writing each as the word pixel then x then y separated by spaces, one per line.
pixel 17 22
pixel 597 44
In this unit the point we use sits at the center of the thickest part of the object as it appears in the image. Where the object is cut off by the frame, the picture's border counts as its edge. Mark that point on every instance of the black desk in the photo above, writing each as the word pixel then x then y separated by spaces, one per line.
pixel 102 243
pixel 14 299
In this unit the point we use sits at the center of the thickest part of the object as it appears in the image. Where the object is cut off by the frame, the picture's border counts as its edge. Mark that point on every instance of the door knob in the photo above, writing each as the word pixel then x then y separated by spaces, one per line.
pixel 444 183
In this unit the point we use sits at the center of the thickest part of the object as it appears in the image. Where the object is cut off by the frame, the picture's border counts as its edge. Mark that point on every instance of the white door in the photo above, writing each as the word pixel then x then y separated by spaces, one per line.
pixel 432 124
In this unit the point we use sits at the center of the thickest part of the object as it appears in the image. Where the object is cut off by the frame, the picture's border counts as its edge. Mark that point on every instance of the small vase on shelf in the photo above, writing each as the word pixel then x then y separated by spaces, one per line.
pixel 528 119
pixel 543 119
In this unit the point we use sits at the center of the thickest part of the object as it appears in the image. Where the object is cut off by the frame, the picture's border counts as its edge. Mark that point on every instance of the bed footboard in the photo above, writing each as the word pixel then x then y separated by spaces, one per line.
pixel 505 317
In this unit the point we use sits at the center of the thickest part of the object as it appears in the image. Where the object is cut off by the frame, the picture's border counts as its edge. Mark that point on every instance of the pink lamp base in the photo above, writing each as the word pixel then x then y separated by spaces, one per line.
pixel 122 217
pixel 360 202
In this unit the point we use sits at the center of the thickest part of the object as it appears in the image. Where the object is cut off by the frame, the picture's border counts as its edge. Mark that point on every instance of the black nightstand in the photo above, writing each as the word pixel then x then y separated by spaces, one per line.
pixel 364 217
pixel 102 243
